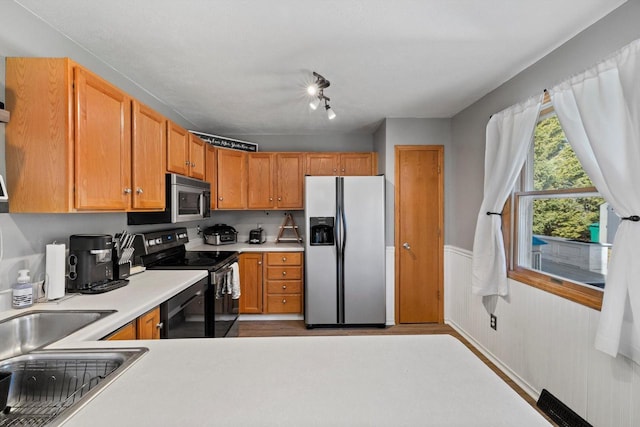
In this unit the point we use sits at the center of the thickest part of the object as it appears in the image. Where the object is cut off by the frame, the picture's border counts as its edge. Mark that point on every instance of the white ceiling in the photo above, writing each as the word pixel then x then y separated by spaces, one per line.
pixel 241 66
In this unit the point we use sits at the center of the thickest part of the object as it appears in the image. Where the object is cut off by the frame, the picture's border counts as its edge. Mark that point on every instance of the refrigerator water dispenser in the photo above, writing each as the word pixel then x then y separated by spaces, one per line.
pixel 322 232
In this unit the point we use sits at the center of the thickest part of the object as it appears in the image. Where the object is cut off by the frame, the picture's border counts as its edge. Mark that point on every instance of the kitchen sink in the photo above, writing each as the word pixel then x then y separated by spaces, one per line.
pixel 49 386
pixel 36 329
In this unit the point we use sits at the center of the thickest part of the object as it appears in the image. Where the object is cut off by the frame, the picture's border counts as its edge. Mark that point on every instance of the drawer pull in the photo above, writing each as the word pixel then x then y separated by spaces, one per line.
pixel 284 259
pixel 284 301
pixel 284 273
pixel 284 286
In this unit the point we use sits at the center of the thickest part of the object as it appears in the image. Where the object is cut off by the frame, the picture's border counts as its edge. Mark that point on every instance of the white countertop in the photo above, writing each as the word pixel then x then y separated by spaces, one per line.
pixel 144 291
pixel 268 246
pixel 410 380
pixel 284 381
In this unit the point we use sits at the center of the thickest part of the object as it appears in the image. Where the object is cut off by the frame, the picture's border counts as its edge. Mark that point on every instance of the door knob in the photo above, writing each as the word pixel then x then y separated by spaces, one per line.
pixel 406 245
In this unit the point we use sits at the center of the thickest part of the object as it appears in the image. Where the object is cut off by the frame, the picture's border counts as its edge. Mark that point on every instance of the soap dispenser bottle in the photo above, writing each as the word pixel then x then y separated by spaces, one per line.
pixel 22 291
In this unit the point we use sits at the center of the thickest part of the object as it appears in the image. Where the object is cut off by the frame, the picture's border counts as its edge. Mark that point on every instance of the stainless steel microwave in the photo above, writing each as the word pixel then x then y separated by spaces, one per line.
pixel 187 199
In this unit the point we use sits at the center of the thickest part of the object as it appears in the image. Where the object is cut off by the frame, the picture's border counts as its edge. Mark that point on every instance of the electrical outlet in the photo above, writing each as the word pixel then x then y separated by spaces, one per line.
pixel 493 322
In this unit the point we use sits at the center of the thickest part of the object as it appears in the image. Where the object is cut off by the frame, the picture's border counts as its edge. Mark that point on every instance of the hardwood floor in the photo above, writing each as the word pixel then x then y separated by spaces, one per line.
pixel 290 328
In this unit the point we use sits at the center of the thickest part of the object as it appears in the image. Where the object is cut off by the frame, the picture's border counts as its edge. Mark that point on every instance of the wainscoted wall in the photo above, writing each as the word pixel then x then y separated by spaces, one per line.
pixel 543 341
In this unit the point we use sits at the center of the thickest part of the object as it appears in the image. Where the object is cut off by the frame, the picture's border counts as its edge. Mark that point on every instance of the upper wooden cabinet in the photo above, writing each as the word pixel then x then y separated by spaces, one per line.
pixel 197 154
pixel 289 178
pixel 275 180
pixel 341 164
pixel 260 180
pixel 147 152
pixel 211 172
pixel 232 179
pixel 185 152
pixel 322 164
pixel 68 144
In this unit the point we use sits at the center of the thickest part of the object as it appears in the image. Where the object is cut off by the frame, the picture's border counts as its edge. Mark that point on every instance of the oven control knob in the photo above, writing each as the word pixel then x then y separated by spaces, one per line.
pixel 159 241
pixel 151 242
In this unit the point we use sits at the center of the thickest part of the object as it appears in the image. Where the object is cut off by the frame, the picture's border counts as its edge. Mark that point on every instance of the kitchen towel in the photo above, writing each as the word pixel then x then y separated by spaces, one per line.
pixel 55 270
pixel 235 281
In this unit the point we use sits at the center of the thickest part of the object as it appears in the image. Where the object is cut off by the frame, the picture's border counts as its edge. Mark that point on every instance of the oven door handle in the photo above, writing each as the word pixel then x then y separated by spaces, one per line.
pixel 191 298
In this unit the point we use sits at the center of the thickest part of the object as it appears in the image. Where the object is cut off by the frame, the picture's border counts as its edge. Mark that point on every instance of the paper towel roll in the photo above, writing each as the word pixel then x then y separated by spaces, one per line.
pixel 55 269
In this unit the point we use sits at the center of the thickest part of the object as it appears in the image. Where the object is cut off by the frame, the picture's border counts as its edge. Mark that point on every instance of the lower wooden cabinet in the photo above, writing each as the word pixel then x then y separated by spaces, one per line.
pixel 283 282
pixel 145 327
pixel 271 282
pixel 127 332
pixel 148 325
pixel 250 283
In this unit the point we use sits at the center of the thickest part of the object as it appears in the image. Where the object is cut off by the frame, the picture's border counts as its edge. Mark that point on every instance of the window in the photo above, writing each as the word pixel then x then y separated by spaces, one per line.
pixel 562 228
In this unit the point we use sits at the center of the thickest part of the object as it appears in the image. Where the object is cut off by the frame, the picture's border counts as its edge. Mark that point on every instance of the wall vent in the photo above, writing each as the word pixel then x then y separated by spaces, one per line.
pixel 559 412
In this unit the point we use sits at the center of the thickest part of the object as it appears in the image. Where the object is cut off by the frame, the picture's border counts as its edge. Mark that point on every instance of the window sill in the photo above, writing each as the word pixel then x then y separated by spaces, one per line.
pixel 580 294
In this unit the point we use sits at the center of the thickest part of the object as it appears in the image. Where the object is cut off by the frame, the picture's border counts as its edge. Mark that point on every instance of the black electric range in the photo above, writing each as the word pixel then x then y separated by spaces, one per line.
pixel 215 306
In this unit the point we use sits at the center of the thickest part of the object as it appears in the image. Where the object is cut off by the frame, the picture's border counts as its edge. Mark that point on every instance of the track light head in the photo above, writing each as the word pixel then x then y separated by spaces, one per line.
pixel 316 89
pixel 330 113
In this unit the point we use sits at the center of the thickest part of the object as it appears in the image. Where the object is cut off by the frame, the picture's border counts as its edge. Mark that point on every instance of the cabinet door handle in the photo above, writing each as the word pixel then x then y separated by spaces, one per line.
pixel 139 190
pixel 279 199
pixel 271 199
pixel 259 262
pixel 220 198
pixel 160 325
pixel 193 165
pixel 187 163
pixel 127 191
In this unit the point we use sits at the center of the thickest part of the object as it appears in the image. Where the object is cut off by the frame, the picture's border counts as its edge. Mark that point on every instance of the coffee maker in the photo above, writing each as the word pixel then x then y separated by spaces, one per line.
pixel 89 262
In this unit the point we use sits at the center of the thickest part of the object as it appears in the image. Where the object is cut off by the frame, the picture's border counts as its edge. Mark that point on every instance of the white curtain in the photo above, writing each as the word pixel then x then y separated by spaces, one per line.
pixel 509 136
pixel 599 111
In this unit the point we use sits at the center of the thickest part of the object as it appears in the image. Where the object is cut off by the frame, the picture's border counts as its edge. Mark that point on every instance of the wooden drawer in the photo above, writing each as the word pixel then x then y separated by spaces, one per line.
pixel 284 258
pixel 284 286
pixel 284 304
pixel 284 273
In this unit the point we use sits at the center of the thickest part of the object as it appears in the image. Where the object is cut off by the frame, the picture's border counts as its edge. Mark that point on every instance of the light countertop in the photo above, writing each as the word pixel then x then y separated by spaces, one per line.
pixel 308 381
pixel 268 246
pixel 144 291
pixel 284 381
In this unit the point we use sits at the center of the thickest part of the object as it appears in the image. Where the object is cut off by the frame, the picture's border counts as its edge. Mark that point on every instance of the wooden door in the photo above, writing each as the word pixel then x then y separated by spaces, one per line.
pixel 211 172
pixel 196 157
pixel 322 164
pixel 232 179
pixel 148 325
pixel 418 233
pixel 355 164
pixel 260 177
pixel 102 145
pixel 289 180
pixel 251 282
pixel 177 149
pixel 148 158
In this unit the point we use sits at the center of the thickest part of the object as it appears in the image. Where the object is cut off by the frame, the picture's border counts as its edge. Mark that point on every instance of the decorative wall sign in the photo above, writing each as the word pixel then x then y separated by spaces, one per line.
pixel 221 141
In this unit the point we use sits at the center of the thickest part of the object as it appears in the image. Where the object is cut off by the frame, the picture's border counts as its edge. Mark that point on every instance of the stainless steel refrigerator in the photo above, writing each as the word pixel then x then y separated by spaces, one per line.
pixel 344 251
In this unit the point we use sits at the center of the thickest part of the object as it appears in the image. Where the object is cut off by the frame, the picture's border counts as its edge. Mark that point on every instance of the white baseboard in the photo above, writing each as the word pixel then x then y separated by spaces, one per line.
pixel 531 391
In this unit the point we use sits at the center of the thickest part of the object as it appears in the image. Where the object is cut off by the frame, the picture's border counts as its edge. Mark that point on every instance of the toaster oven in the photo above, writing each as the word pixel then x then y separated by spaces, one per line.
pixel 220 234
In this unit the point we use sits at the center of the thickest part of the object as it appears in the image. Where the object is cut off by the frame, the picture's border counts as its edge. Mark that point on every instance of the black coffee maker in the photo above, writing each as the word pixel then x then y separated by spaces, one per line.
pixel 89 261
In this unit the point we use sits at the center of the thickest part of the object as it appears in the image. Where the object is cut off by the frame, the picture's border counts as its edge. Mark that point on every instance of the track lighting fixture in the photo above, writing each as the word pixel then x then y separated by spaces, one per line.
pixel 316 89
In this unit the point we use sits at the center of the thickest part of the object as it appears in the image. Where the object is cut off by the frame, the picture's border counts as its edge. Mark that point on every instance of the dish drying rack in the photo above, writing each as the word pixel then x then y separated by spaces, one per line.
pixel 42 389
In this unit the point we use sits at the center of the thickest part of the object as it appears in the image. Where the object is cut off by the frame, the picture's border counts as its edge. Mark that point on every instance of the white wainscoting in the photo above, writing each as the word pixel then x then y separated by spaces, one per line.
pixel 544 341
